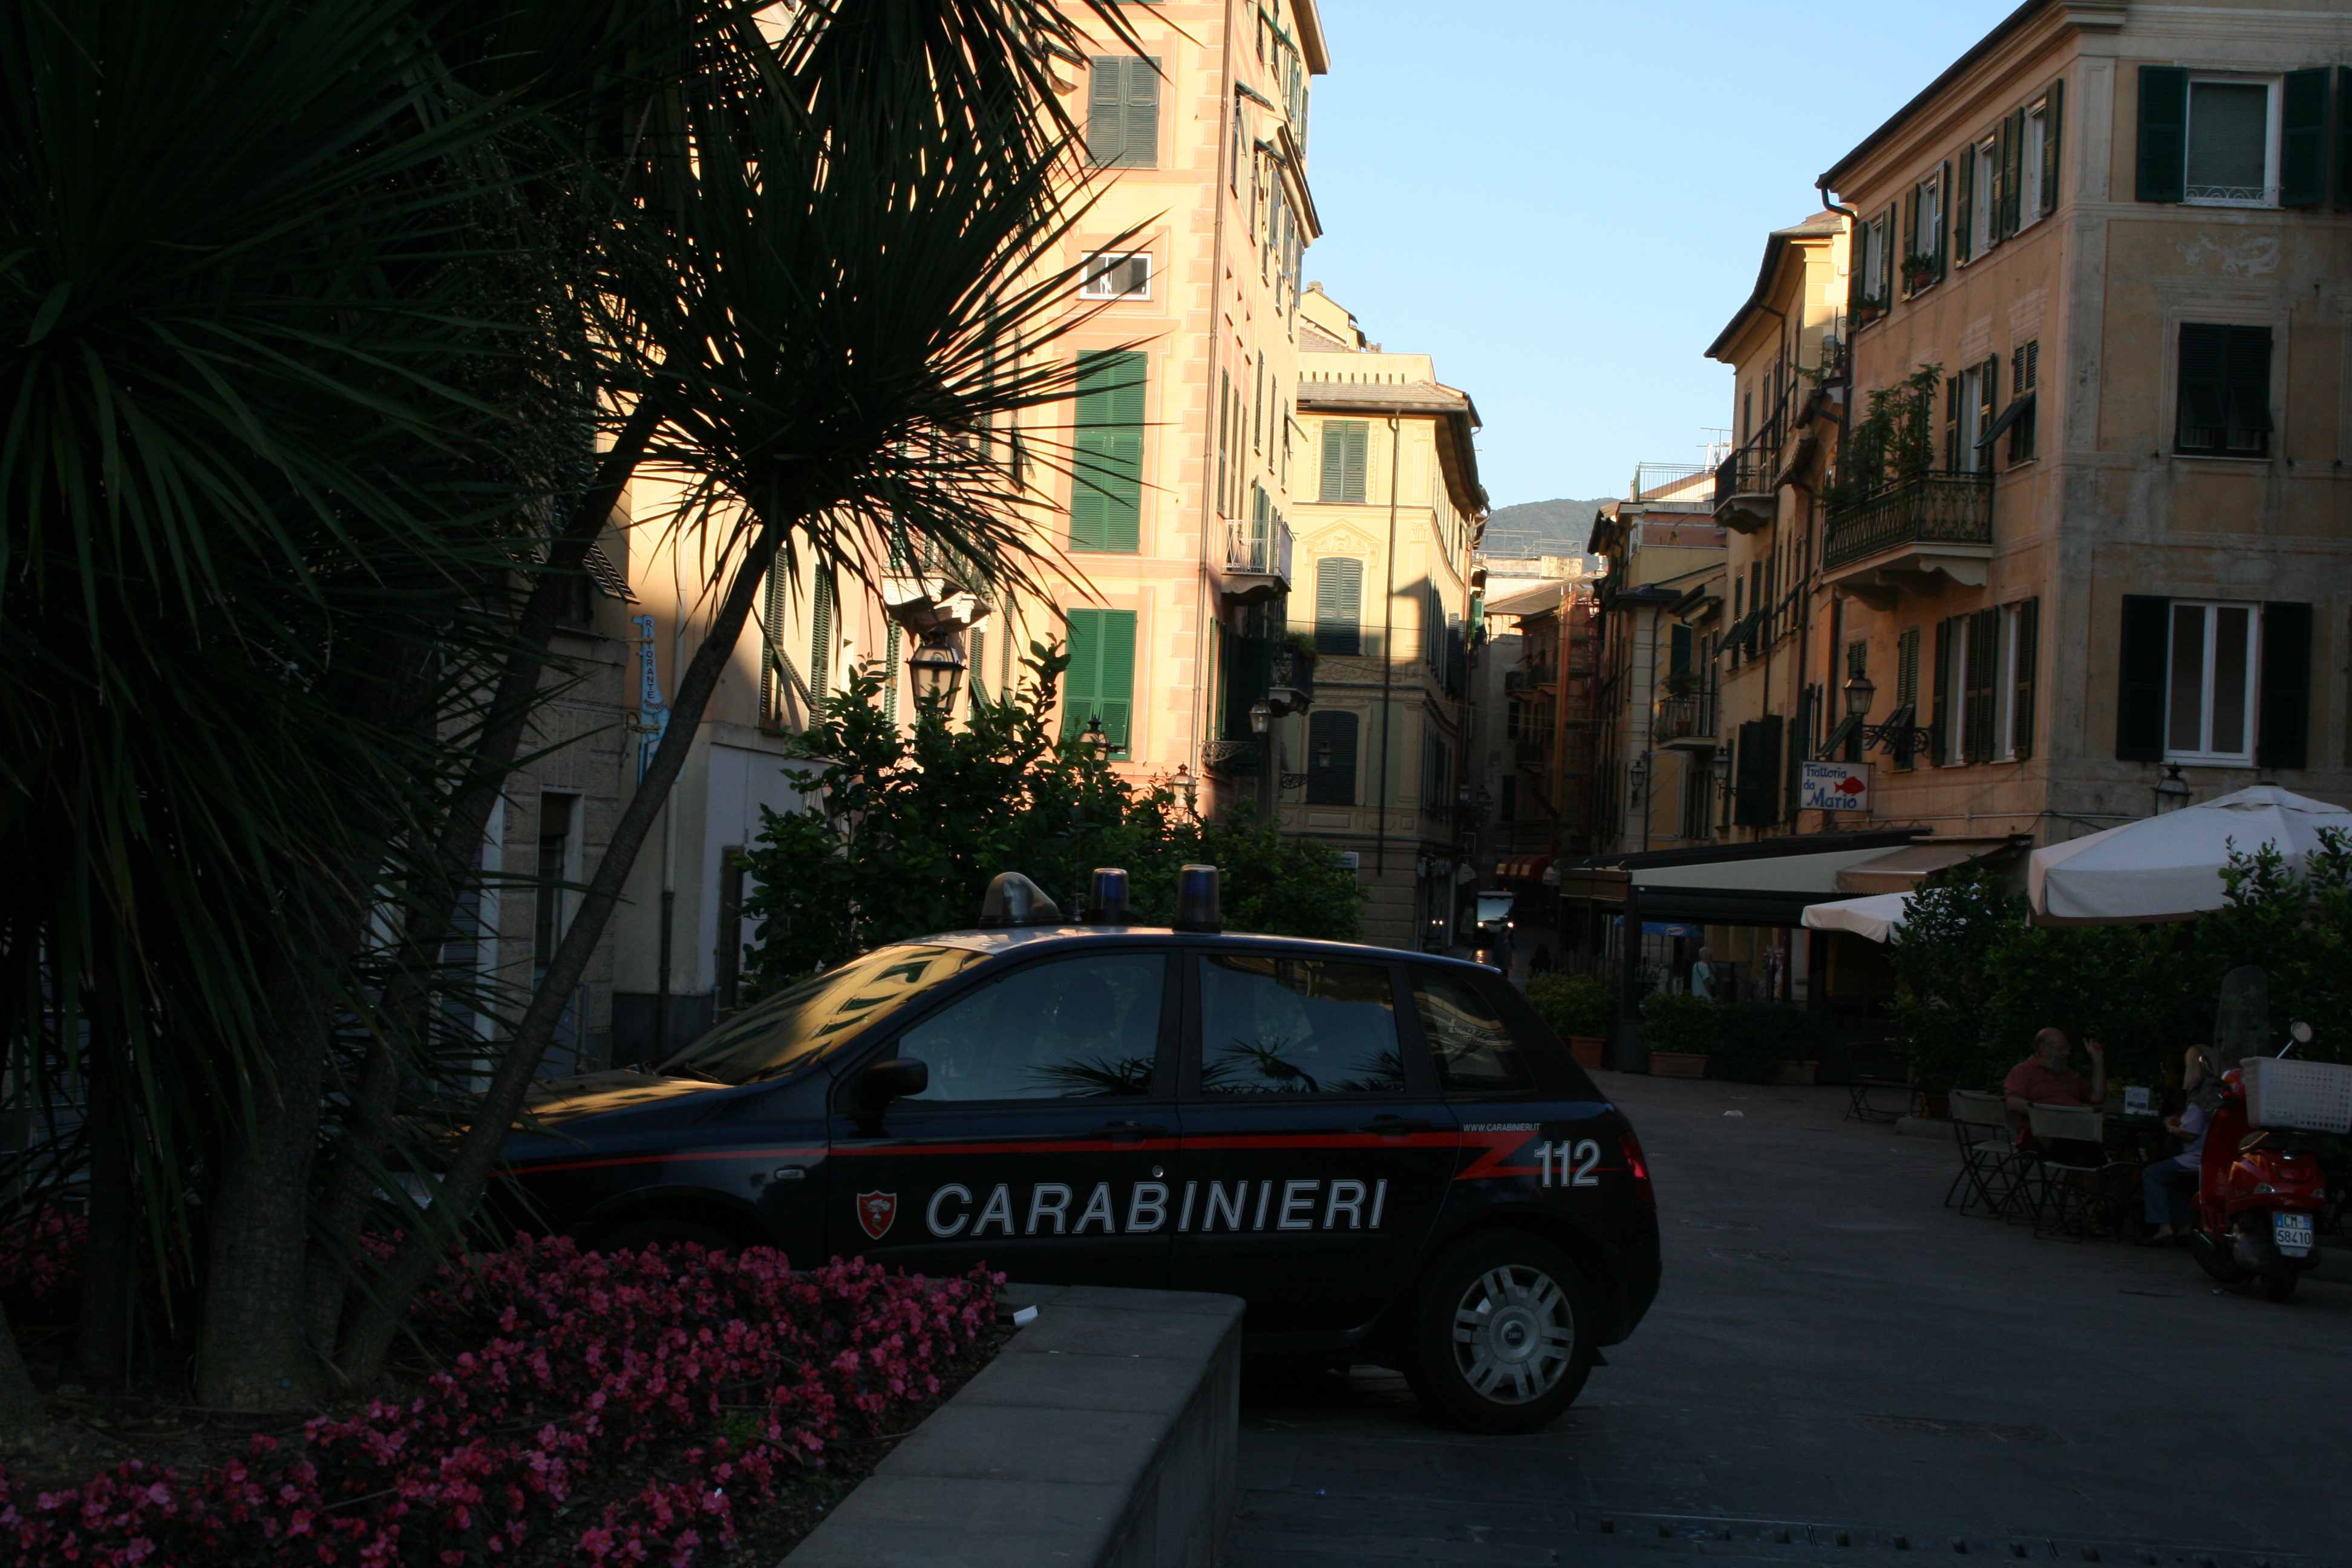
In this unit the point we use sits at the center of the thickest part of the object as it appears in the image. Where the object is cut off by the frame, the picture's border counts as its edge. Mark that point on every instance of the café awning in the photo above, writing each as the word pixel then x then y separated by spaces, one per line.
pixel 1900 871
pixel 1877 916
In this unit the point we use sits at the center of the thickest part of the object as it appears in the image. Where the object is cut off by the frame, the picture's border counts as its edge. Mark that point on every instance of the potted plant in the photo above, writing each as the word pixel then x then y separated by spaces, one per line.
pixel 1681 684
pixel 1681 1031
pixel 1578 1008
pixel 1919 271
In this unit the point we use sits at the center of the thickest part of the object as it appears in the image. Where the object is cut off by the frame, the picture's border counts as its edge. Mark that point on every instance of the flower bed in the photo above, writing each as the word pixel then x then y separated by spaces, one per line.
pixel 711 1381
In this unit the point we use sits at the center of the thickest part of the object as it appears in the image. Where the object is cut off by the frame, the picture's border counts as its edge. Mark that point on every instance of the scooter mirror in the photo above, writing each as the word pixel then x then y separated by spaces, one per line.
pixel 2301 1031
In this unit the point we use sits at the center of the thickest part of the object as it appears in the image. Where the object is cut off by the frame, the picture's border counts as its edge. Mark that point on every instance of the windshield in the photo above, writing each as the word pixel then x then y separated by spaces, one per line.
pixel 797 1027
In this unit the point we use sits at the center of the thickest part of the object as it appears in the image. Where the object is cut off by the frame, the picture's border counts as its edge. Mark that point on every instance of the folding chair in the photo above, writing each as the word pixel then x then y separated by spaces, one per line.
pixel 2069 1152
pixel 1989 1172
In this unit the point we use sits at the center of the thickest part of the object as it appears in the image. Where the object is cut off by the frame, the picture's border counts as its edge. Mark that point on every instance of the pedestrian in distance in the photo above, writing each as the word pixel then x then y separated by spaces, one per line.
pixel 1702 976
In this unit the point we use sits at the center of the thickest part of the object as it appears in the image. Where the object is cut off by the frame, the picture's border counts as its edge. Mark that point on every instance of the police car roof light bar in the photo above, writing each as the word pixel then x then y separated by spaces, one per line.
pixel 1013 899
pixel 1196 899
pixel 1106 901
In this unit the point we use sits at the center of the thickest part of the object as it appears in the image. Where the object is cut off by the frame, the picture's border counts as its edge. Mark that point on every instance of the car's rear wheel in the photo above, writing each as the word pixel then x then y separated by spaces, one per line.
pixel 1500 1334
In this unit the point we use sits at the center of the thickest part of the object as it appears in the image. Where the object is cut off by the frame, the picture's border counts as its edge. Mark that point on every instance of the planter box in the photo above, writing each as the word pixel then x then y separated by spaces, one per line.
pixel 1587 1050
pixel 1802 1074
pixel 1677 1064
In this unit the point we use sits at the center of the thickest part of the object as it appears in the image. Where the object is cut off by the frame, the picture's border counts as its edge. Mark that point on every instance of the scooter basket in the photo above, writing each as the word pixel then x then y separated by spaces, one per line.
pixel 2311 1096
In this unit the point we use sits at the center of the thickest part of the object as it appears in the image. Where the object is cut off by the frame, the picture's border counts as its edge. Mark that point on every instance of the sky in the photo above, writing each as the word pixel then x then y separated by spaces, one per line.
pixel 1564 201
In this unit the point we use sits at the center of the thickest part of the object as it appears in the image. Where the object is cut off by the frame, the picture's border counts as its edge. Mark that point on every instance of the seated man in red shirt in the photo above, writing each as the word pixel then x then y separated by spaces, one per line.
pixel 2044 1078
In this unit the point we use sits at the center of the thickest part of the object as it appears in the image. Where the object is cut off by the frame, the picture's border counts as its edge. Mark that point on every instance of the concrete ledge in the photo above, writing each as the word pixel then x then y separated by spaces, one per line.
pixel 1106 1432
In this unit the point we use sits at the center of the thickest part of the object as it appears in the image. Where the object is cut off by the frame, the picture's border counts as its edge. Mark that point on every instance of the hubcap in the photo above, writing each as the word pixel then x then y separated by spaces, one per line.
pixel 1514 1334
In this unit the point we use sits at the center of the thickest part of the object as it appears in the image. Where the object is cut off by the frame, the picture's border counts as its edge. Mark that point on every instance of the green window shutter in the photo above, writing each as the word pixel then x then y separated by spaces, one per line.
pixel 2163 161
pixel 1943 220
pixel 1338 607
pixel 2029 634
pixel 891 675
pixel 2139 704
pixel 1910 235
pixel 2283 725
pixel 1107 477
pixel 976 682
pixel 2303 140
pixel 1964 206
pixel 1106 108
pixel 821 639
pixel 2053 121
pixel 1081 683
pixel 2201 421
pixel 1331 741
pixel 1142 125
pixel 1680 659
pixel 1359 441
pixel 2247 395
pixel 2000 182
pixel 772 625
pixel 2012 190
pixel 2344 136
pixel 1944 730
pixel 1345 445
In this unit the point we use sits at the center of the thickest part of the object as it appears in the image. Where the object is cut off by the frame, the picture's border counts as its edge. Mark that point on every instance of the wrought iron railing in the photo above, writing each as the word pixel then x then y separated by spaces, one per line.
pixel 1938 508
pixel 1260 546
pixel 1687 718
pixel 1747 472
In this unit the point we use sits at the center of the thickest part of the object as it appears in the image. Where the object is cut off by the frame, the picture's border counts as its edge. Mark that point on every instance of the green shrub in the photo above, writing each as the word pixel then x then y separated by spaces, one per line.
pixel 1671 1021
pixel 1757 1036
pixel 1572 1004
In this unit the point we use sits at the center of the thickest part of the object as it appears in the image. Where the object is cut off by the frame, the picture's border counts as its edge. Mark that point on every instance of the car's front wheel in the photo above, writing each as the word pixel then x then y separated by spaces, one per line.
pixel 1500 1335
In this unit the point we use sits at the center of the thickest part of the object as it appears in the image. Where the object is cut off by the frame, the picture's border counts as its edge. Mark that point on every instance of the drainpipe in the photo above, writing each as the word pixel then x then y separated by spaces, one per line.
pixel 1649 731
pixel 1206 598
pixel 1844 423
pixel 1388 634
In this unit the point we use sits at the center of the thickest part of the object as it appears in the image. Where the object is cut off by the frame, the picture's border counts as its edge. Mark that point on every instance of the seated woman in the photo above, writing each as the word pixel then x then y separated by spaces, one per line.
pixel 2166 1184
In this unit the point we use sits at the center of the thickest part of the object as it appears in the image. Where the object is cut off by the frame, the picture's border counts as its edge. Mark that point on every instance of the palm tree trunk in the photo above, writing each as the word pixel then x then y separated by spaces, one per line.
pixel 102 1340
pixel 351 1180
pixel 376 1317
pixel 20 1402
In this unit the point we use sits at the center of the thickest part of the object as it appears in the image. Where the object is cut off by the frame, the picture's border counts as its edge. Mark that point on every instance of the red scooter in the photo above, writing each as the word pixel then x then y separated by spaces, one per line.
pixel 2259 1193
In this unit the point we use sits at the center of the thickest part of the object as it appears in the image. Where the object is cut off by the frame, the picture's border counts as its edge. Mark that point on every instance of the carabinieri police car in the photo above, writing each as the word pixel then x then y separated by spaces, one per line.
pixel 1388 1155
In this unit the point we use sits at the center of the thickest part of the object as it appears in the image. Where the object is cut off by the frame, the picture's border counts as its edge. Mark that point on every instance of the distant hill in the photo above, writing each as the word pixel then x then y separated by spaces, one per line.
pixel 1542 527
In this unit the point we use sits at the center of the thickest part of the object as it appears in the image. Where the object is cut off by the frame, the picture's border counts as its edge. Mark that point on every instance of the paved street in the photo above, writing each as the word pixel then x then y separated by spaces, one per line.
pixel 1834 1355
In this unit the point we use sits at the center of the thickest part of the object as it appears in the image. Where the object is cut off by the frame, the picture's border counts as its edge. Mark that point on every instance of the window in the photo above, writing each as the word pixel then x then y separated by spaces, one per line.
pixel 780 1032
pixel 2209 693
pixel 1930 233
pixel 822 645
pixel 1101 680
pixel 558 831
pixel 1347 443
pixel 1470 1043
pixel 1123 112
pixel 1117 275
pixel 2029 165
pixel 1968 413
pixel 2198 687
pixel 2223 409
pixel 1985 664
pixel 1698 789
pixel 1106 467
pixel 1331 757
pixel 1074 1028
pixel 1272 1024
pixel 1906 696
pixel 1874 268
pixel 1509 810
pixel 2232 143
pixel 1338 607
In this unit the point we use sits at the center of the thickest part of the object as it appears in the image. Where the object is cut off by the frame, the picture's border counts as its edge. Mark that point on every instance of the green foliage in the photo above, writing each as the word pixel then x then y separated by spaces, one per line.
pixel 1975 981
pixel 1573 1005
pixel 1894 441
pixel 903 831
pixel 1673 1021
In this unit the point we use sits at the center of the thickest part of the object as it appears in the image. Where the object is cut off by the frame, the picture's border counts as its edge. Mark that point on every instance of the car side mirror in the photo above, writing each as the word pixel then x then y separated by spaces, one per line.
pixel 893 1078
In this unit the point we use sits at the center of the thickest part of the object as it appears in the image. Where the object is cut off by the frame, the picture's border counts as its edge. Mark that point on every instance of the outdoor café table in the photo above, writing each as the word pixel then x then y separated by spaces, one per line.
pixel 1861 1107
pixel 2139 1137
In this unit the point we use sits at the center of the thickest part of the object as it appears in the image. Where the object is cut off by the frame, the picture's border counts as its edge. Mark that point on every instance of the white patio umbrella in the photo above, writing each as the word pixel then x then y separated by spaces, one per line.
pixel 1877 916
pixel 2170 868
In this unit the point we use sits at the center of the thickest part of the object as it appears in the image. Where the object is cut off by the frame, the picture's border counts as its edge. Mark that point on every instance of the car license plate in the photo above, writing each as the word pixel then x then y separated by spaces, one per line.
pixel 2291 1234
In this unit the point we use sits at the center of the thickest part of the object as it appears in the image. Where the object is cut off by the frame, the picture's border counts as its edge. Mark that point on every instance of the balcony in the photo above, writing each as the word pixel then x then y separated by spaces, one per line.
pixel 1257 560
pixel 1744 497
pixel 1685 722
pixel 1905 536
pixel 1290 678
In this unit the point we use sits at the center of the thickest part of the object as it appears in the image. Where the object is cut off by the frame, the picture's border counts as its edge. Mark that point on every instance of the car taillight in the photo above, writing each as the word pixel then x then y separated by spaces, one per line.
pixel 1639 1167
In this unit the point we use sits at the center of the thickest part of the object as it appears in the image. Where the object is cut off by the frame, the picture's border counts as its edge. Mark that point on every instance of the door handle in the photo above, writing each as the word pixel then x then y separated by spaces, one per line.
pixel 1131 1132
pixel 1396 1126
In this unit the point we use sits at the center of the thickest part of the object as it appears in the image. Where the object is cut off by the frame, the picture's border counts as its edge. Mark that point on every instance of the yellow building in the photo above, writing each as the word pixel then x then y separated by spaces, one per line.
pixel 1160 491
pixel 1385 521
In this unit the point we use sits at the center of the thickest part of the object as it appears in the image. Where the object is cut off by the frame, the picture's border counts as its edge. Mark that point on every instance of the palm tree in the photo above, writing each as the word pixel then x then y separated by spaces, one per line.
pixel 309 312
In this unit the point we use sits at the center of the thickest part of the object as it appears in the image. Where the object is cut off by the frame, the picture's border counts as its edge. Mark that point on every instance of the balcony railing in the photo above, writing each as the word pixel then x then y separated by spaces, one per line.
pixel 1936 508
pixel 1259 547
pixel 1690 718
pixel 1747 472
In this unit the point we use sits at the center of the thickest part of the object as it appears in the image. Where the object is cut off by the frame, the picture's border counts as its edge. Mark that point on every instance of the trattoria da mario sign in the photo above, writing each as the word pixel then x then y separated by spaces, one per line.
pixel 1834 786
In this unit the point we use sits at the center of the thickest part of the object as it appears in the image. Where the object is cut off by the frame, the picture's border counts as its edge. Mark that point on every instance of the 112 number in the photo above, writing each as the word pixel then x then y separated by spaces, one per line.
pixel 1574 1163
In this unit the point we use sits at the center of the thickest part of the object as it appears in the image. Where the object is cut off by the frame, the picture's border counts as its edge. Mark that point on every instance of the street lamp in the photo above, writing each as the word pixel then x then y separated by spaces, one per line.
pixel 1640 774
pixel 1722 766
pixel 1094 740
pixel 1858 693
pixel 1260 715
pixel 2171 790
pixel 938 667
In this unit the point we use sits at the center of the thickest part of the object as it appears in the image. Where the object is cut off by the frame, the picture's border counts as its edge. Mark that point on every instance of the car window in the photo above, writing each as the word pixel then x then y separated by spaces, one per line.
pixel 793 1027
pixel 1070 1028
pixel 1473 1047
pixel 1275 1024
